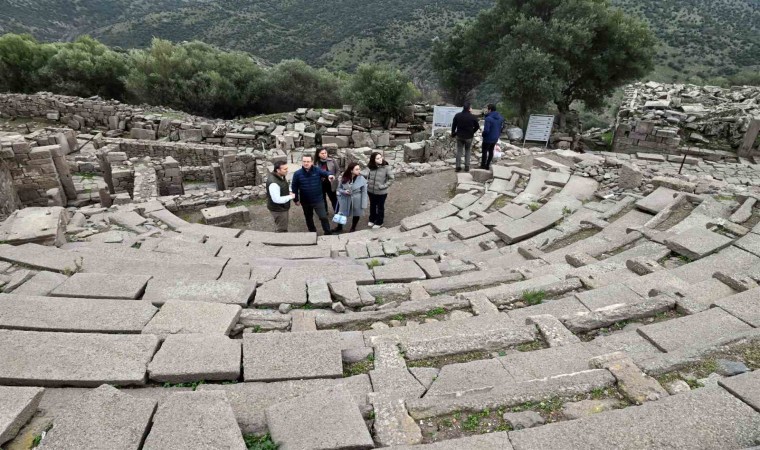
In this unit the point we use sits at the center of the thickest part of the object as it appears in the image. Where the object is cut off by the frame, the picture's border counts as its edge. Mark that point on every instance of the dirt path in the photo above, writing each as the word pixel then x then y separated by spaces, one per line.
pixel 404 199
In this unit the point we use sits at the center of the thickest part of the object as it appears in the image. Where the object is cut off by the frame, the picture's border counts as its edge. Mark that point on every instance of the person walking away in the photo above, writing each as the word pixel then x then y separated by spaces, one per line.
pixel 307 190
pixel 463 127
pixel 379 179
pixel 491 134
pixel 324 162
pixel 352 194
pixel 279 196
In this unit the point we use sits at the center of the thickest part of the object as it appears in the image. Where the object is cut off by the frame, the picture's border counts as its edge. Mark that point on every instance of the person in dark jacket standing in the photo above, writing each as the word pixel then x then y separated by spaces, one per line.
pixel 324 162
pixel 279 196
pixel 463 127
pixel 491 134
pixel 379 177
pixel 307 187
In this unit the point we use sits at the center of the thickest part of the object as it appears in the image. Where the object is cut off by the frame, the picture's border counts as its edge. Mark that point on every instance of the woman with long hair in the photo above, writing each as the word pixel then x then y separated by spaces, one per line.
pixel 379 179
pixel 352 195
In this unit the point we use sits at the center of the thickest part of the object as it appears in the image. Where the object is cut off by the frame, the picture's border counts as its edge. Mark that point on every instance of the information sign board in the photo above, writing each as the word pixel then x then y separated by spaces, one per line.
pixel 539 129
pixel 443 116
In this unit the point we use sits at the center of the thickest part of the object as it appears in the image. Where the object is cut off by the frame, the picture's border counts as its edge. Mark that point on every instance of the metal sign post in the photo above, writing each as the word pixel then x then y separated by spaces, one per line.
pixel 539 129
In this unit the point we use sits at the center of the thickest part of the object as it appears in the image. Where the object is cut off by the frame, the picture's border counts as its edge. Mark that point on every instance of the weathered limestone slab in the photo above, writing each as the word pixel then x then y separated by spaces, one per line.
pixel 322 419
pixel 745 387
pixel 347 293
pixel 629 342
pixel 697 330
pixel 744 212
pixel 609 315
pixel 613 294
pixel 74 359
pixel 161 290
pixel 278 291
pixel 318 293
pixel 195 357
pixel 17 406
pixel 288 356
pixel 149 266
pixel 41 284
pixel 40 257
pixel 467 378
pixel 697 242
pixel 703 418
pixel 750 242
pixel 512 394
pixel 490 441
pixel 181 317
pixel 430 267
pixel 634 384
pixel 98 285
pixel 22 312
pixel 183 247
pixel 250 400
pixel 279 239
pixel 745 306
pixel 462 201
pixel 515 211
pixel 553 331
pixel 171 220
pixel 224 216
pixel 470 280
pixel 729 260
pixel 40 225
pixel 399 272
pixel 393 425
pixel 104 418
pixel 405 308
pixel 210 231
pixel 186 419
pixel 453 343
pixel 657 200
pixel 557 308
pixel 446 223
pixel 428 217
pixel 397 382
pixel 507 293
pixel 469 230
pixel 524 366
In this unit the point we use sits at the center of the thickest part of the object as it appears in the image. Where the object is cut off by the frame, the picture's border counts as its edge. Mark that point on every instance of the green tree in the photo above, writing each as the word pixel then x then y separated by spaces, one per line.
pixel 86 67
pixel 584 49
pixel 381 90
pixel 21 58
pixel 294 84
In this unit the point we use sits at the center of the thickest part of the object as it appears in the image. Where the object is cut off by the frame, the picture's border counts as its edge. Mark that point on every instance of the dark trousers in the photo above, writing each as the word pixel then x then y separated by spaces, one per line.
pixel 377 208
pixel 487 155
pixel 280 221
pixel 321 210
pixel 327 192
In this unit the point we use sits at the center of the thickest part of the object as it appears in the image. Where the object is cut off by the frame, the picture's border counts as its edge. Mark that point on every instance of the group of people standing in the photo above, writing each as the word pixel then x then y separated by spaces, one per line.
pixel 463 128
pixel 315 183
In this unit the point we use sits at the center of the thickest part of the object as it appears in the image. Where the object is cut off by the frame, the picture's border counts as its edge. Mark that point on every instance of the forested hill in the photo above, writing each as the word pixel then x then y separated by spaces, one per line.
pixel 705 38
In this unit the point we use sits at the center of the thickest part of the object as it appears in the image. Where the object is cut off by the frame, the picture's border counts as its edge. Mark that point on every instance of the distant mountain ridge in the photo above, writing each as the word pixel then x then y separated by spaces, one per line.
pixel 703 38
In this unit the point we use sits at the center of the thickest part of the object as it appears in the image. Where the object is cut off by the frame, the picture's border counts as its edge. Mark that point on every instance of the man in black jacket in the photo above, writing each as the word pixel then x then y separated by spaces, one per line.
pixel 463 128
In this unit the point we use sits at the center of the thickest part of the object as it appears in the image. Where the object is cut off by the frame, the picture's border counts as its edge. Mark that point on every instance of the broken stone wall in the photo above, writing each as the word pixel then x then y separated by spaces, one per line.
pixel 145 183
pixel 203 174
pixel 34 173
pixel 645 136
pixel 9 200
pixel 239 170
pixel 185 154
pixel 169 177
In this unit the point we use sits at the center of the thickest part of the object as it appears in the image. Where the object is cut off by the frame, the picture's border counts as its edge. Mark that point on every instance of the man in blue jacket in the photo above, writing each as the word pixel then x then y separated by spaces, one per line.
pixel 307 187
pixel 491 134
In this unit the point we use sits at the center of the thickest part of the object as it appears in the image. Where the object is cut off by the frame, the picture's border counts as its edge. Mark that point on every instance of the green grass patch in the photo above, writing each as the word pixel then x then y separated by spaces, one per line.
pixel 246 203
pixel 500 202
pixel 373 263
pixel 399 317
pixel 435 312
pixel 193 384
pixel 607 138
pixel 533 298
pixel 534 206
pixel 359 367
pixel 441 361
pixel 530 346
pixel 255 442
pixel 85 175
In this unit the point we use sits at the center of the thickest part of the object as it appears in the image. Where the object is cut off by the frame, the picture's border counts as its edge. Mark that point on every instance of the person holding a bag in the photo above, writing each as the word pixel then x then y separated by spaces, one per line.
pixel 352 196
pixel 379 178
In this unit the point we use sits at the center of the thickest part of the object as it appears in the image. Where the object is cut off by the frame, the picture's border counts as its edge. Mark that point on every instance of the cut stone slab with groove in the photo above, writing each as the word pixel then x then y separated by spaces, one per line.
pixel 428 217
pixel 430 267
pixel 613 294
pixel 491 441
pixel 469 377
pixel 319 420
pixel 250 400
pixel 525 366
pixel 697 242
pixel 41 284
pixel 74 359
pixel 180 317
pixel 746 387
pixel 186 419
pixel 469 230
pixel 702 418
pixel 17 406
pixel 22 312
pixel 159 291
pixel 750 242
pixel 696 330
pixel 104 418
pixel 40 257
pixel 396 381
pixel 289 356
pixel 97 285
pixel 278 291
pixel 745 306
pixel 399 272
pixel 194 357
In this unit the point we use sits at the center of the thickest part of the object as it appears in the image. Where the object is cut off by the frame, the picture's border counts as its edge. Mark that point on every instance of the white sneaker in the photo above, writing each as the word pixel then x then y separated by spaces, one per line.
pixel 370 224
pixel 376 227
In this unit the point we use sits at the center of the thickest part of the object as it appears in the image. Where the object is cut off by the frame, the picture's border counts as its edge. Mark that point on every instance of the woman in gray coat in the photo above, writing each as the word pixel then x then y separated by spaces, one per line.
pixel 379 179
pixel 352 195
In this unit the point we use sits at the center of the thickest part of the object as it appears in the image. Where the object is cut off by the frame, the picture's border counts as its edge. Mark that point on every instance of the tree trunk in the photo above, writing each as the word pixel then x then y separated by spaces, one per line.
pixel 564 108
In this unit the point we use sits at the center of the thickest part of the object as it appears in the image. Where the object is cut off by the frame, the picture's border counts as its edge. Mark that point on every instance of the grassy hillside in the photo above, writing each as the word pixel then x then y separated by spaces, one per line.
pixel 701 38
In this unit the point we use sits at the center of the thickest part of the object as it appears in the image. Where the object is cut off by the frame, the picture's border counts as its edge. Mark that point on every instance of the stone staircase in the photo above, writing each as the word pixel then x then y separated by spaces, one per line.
pixel 545 319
